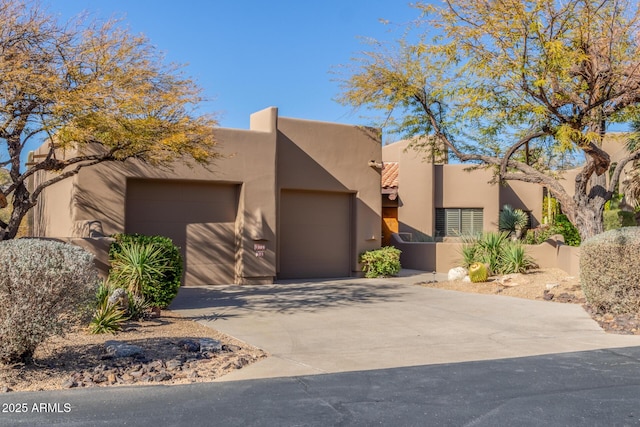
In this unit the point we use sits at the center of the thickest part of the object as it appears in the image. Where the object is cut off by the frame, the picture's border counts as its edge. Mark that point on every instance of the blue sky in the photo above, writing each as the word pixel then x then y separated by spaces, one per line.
pixel 249 55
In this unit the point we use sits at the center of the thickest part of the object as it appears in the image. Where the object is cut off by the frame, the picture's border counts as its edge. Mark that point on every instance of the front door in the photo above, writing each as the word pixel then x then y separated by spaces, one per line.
pixel 389 224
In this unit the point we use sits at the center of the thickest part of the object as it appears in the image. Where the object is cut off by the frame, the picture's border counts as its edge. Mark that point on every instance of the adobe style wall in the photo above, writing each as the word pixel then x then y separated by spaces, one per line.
pixel 331 160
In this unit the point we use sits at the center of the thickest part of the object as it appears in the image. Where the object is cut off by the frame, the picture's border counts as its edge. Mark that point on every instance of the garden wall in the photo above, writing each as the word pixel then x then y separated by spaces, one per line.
pixel 442 256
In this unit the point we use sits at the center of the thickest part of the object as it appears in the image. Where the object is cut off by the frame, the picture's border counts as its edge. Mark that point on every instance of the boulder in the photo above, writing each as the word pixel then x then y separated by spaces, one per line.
pixel 120 349
pixel 457 273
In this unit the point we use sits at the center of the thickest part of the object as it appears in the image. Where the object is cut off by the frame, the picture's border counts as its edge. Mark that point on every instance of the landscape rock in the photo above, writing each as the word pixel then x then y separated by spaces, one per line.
pixel 457 273
pixel 189 345
pixel 466 279
pixel 231 348
pixel 551 285
pixel 119 349
pixel 210 345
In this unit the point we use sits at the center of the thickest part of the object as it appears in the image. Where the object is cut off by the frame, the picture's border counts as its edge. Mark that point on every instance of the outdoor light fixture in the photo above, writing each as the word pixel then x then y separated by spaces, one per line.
pixel 374 164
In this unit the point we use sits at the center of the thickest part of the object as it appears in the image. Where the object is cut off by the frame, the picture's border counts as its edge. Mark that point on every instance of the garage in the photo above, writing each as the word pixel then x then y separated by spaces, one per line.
pixel 198 216
pixel 315 234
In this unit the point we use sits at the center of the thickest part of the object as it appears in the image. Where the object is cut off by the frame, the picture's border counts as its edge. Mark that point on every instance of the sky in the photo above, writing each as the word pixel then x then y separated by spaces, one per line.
pixel 253 54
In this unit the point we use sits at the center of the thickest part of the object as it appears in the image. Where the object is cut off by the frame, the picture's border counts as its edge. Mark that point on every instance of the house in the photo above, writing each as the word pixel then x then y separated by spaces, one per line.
pixel 290 199
pixel 436 201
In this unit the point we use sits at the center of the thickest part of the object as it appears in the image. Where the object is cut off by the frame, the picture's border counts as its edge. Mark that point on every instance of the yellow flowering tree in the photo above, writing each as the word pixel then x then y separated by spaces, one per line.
pixel 87 83
pixel 493 80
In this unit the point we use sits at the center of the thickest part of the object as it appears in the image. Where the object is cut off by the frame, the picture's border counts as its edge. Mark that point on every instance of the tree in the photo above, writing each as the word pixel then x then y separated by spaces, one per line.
pixel 95 93
pixel 491 78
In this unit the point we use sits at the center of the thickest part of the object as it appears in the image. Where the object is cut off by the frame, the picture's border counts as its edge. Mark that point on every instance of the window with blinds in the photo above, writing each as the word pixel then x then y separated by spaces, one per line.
pixel 458 222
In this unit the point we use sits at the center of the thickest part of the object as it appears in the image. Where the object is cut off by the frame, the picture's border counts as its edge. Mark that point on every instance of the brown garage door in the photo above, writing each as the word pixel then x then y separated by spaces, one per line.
pixel 198 217
pixel 315 234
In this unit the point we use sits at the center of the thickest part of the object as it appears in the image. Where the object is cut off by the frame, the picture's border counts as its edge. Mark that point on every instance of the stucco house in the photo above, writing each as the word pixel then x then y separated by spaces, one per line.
pixel 290 199
pixel 435 201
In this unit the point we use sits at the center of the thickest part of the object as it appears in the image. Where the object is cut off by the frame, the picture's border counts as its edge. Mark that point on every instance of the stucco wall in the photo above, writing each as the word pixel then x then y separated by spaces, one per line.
pixel 334 158
pixel 458 187
pixel 275 154
pixel 525 196
pixel 442 256
pixel 416 184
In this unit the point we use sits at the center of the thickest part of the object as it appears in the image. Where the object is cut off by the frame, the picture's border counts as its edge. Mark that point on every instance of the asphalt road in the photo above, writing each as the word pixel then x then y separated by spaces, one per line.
pixel 591 388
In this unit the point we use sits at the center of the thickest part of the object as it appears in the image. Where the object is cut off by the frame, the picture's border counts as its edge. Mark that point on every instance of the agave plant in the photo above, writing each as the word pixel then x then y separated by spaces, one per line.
pixel 513 221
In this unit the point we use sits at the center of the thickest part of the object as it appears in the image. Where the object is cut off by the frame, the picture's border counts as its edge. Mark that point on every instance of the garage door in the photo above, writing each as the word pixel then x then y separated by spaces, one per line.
pixel 198 217
pixel 315 234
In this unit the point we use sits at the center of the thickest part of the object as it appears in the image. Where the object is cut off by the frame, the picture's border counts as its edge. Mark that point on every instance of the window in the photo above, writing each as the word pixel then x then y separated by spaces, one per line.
pixel 458 222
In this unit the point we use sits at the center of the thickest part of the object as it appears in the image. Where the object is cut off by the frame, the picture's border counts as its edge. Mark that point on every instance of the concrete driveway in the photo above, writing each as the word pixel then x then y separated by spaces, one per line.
pixel 332 326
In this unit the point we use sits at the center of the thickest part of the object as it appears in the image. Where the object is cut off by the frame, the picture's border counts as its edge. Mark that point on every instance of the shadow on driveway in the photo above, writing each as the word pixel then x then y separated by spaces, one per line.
pixel 289 297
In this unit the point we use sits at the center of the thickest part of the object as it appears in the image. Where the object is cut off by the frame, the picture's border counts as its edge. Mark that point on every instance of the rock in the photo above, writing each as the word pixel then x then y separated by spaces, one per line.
pixel 174 364
pixel 551 285
pixel 119 349
pixel 162 376
pixel 457 273
pixel 156 365
pixel 189 345
pixel 231 348
pixel 210 345
pixel 6 389
pixel 547 296
pixel 120 297
pixel 111 378
pixel 466 279
pixel 137 374
pixel 242 362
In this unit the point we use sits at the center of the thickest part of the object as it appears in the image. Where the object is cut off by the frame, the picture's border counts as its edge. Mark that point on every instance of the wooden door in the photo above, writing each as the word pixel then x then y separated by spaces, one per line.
pixel 389 224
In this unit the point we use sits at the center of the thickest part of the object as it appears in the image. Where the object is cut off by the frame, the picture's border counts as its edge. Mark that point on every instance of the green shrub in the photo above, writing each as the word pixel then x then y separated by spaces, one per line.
pixel 610 270
pixel 148 266
pixel 45 289
pixel 478 272
pixel 503 256
pixel 382 262
pixel 562 226
pixel 616 218
pixel 569 231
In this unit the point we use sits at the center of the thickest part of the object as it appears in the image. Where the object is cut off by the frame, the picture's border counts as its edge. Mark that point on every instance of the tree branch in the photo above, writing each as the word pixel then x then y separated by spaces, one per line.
pixel 617 172
pixel 527 138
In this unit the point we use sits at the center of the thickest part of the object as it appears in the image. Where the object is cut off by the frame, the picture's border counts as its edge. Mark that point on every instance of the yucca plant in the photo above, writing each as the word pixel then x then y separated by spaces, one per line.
pixel 136 266
pixel 138 307
pixel 490 249
pixel 107 318
pixel 514 259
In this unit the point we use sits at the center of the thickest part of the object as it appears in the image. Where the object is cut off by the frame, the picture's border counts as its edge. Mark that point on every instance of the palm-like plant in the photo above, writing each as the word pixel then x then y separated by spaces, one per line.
pixel 513 221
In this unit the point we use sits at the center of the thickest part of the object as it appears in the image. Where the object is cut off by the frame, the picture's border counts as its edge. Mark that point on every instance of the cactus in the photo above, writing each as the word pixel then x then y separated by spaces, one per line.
pixel 478 272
